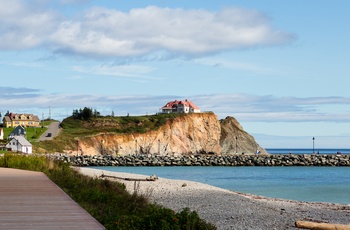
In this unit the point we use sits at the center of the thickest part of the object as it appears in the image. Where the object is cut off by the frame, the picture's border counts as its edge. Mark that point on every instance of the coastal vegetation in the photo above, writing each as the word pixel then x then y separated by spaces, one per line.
pixel 107 201
pixel 87 122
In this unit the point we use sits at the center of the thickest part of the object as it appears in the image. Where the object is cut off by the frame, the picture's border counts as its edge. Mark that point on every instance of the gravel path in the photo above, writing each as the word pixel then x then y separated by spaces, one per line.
pixel 227 209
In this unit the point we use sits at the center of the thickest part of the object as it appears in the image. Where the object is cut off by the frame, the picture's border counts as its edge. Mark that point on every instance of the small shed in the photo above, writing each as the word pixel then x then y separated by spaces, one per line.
pixel 20 144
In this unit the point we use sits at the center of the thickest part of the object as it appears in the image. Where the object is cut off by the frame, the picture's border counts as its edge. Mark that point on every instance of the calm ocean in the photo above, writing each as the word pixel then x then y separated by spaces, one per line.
pixel 307 151
pixel 315 184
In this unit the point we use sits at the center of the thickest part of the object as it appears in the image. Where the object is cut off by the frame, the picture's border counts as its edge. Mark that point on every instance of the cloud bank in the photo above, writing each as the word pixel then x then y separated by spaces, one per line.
pixel 140 32
pixel 246 108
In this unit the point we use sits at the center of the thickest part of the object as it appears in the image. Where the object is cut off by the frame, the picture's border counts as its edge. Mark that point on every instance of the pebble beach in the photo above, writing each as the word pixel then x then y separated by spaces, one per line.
pixel 227 209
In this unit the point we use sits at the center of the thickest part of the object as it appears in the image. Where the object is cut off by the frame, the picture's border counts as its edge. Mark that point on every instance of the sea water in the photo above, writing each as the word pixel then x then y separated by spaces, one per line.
pixel 308 151
pixel 314 184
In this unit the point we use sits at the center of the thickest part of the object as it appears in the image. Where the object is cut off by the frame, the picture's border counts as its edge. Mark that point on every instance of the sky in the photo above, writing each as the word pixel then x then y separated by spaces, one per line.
pixel 281 68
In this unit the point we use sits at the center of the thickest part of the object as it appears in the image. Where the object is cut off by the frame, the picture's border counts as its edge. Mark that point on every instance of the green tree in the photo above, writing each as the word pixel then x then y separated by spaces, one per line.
pixel 87 114
pixel 96 113
pixel 75 113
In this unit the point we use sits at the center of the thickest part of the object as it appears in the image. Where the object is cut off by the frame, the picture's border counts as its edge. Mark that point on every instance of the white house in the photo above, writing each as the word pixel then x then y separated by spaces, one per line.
pixel 180 107
pixel 20 144
pixel 1 134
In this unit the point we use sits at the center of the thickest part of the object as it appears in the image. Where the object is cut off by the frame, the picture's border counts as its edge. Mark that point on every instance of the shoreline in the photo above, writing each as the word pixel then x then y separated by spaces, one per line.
pixel 228 209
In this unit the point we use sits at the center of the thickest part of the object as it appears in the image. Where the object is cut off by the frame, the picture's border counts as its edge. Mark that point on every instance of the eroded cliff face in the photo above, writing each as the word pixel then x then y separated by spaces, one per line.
pixel 191 134
pixel 234 139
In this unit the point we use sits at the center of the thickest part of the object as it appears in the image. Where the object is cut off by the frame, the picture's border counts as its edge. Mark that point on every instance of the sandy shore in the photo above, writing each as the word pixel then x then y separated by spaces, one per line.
pixel 227 209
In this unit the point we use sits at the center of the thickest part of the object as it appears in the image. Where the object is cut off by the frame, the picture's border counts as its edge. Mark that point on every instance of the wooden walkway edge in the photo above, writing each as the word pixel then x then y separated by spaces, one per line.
pixel 30 200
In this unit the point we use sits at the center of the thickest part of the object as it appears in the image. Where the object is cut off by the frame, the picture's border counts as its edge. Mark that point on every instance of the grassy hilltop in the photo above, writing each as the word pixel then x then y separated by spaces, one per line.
pixel 75 127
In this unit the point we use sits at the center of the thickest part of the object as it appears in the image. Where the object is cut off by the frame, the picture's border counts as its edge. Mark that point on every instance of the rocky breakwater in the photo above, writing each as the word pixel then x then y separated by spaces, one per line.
pixel 209 160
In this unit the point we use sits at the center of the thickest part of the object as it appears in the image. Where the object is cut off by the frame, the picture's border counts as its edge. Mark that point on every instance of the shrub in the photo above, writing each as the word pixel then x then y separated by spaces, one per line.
pixel 20 161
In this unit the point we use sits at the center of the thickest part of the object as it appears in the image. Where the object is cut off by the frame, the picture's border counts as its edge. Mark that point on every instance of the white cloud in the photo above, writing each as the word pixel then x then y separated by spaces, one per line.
pixel 131 71
pixel 106 32
pixel 67 2
pixel 246 108
pixel 231 64
pixel 254 108
pixel 24 27
pixel 102 32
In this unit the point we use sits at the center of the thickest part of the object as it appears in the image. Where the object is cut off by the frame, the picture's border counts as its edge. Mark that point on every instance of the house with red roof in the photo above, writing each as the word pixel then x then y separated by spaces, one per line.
pixel 176 106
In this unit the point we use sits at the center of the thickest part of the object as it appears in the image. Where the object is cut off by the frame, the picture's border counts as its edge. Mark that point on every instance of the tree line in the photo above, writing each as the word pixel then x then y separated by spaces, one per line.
pixel 85 114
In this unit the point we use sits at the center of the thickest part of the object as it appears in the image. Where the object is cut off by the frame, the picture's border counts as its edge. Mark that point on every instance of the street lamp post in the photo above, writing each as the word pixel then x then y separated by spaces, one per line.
pixel 313 145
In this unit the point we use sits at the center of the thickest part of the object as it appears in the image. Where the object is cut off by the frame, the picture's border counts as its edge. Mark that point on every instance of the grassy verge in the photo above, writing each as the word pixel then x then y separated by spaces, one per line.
pixel 107 201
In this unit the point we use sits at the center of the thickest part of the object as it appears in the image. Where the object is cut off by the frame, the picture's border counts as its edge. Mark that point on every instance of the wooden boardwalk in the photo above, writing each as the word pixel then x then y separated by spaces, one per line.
pixel 30 200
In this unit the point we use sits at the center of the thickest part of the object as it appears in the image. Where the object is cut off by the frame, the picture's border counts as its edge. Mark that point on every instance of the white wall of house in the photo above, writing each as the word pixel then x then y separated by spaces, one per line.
pixel 16 146
pixel 26 149
pixel 195 110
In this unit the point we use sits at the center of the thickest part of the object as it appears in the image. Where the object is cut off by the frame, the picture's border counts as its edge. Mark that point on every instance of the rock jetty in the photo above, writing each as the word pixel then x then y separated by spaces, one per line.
pixel 209 160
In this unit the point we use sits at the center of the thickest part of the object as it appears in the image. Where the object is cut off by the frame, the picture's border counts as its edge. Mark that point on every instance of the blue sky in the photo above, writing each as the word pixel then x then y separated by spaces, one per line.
pixel 279 67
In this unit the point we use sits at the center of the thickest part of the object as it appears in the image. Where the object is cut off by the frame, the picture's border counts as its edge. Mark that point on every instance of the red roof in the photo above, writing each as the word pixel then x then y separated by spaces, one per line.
pixel 175 103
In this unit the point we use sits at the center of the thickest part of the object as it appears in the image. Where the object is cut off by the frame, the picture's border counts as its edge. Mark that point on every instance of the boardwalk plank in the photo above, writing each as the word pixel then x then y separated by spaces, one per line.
pixel 30 200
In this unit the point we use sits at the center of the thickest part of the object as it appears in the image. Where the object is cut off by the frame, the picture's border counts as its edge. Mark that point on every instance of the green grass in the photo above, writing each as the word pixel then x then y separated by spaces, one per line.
pixel 107 201
pixel 123 124
pixel 73 129
pixel 32 133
